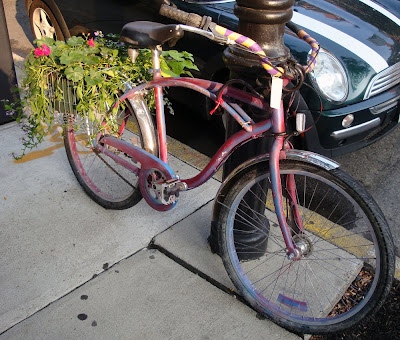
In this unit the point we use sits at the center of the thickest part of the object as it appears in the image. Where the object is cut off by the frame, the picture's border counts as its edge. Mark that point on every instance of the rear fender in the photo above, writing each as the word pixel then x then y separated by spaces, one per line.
pixel 145 121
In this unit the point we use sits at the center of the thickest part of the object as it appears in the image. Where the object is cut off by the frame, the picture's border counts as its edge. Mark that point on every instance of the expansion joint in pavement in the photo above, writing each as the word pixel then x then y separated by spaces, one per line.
pixel 196 271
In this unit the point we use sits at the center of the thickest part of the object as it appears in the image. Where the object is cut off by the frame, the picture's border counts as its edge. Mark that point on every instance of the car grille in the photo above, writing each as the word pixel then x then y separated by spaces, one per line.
pixel 383 81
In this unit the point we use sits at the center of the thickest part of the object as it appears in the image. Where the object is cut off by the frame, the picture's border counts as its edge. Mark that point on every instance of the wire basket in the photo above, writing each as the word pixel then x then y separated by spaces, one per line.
pixel 62 95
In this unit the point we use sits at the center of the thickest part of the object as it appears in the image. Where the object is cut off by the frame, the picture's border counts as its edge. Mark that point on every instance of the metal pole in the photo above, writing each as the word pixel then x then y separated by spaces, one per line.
pixel 263 21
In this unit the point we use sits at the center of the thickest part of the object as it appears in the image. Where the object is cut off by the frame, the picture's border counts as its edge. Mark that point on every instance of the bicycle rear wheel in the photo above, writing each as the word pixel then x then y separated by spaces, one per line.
pixel 105 181
pixel 347 265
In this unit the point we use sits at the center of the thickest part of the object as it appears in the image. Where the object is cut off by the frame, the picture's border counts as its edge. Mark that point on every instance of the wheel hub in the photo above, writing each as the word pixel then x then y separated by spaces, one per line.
pixel 303 244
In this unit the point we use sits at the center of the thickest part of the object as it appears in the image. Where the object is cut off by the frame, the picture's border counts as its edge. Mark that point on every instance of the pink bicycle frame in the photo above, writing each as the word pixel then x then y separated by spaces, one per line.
pixel 275 124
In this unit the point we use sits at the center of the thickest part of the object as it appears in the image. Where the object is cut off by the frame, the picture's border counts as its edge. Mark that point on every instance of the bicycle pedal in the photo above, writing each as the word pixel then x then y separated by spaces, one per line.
pixel 168 191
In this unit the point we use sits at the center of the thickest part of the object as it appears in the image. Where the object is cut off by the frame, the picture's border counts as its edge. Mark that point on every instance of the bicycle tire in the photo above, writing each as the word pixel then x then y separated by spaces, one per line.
pixel 347 268
pixel 109 184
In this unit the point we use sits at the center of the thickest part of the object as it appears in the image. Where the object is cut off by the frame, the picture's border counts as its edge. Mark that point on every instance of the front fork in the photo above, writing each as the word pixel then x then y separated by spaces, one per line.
pixel 289 186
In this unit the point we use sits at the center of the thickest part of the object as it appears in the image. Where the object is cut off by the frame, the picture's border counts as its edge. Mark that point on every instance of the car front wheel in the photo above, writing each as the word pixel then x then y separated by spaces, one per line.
pixel 47 21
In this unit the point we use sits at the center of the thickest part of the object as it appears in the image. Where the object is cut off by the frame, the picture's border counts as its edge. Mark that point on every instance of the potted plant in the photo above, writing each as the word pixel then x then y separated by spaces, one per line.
pixel 83 75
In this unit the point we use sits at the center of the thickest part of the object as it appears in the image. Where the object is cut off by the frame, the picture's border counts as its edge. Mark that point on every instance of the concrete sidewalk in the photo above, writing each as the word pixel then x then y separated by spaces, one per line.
pixel 72 269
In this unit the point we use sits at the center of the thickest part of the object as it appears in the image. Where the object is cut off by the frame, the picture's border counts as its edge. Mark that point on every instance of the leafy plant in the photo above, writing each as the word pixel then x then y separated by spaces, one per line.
pixel 95 68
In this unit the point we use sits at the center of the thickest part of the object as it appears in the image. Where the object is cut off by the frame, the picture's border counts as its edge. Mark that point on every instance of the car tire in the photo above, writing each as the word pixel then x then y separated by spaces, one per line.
pixel 46 21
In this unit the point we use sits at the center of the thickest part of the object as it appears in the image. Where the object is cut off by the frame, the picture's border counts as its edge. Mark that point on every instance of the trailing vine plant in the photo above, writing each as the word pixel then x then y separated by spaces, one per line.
pixel 95 69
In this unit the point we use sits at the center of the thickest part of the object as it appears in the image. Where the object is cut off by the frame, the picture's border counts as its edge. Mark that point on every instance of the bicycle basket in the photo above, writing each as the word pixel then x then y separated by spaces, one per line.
pixel 62 94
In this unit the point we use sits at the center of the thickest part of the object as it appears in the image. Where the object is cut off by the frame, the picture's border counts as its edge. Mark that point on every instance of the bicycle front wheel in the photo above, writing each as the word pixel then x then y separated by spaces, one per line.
pixel 347 263
pixel 105 181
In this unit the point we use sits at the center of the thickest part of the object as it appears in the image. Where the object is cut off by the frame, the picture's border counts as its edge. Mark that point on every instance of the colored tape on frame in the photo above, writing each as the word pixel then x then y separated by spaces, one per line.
pixel 265 62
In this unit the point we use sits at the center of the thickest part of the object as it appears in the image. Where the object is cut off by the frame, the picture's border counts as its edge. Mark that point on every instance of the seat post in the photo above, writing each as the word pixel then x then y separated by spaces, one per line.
pixel 158 94
pixel 133 54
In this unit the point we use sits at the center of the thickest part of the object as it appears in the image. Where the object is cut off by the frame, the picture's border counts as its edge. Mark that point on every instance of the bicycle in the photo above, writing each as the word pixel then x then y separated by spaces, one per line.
pixel 329 258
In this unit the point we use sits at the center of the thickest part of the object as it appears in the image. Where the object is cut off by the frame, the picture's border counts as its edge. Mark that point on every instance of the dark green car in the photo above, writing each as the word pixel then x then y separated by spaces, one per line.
pixel 357 77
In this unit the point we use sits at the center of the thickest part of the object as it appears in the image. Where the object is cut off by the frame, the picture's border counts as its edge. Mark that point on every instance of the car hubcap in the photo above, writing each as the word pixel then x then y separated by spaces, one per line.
pixel 42 25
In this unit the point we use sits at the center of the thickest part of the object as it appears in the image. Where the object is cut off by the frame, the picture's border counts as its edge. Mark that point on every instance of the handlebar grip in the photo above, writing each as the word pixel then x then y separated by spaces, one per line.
pixel 190 19
pixel 293 27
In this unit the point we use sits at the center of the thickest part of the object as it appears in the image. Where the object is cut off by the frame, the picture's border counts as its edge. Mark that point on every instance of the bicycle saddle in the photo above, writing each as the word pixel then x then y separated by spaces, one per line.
pixel 147 34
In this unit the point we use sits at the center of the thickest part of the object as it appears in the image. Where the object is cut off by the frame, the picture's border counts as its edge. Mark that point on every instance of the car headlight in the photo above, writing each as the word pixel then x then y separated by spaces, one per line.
pixel 329 77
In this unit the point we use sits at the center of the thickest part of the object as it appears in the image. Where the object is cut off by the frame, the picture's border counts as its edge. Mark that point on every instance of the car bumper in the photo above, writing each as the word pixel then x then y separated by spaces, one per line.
pixel 373 118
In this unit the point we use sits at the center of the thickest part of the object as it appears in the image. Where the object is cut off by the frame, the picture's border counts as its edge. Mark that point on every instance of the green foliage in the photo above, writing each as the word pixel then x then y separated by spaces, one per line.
pixel 96 70
pixel 176 63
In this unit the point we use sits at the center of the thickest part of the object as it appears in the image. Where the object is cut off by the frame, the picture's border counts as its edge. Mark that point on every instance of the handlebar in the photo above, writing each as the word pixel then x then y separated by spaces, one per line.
pixel 190 19
pixel 205 26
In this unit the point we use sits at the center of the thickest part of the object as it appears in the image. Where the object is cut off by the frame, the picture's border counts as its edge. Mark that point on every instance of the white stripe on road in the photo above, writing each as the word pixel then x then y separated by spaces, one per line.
pixel 382 10
pixel 370 56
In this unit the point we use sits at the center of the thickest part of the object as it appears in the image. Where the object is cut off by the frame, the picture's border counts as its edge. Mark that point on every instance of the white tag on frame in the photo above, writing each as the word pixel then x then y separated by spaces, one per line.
pixel 276 92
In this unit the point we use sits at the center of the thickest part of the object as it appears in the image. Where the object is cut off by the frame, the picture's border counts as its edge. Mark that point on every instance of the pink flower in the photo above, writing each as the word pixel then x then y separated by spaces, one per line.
pixel 91 42
pixel 46 49
pixel 42 51
pixel 39 52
